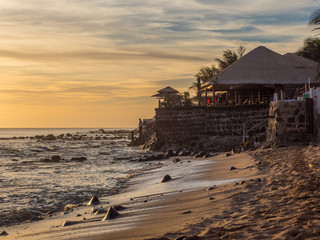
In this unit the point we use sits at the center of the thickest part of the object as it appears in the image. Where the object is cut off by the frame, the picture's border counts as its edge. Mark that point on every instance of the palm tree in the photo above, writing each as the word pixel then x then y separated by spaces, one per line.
pixel 206 73
pixel 229 57
pixel 310 49
pixel 315 19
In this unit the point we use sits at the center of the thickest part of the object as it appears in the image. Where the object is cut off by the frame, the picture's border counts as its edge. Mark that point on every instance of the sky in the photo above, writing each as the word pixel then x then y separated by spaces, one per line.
pixel 95 63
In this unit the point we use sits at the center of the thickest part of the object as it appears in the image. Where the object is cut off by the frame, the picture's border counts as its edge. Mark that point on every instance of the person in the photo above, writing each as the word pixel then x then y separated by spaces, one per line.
pixel 140 127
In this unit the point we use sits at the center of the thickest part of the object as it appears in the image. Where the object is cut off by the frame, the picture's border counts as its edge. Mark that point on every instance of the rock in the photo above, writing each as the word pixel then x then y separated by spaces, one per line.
pixel 55 158
pixel 187 212
pixel 111 214
pixel 207 155
pixel 70 207
pixel 180 238
pixel 210 188
pixel 50 137
pixel 192 154
pixel 67 223
pixel 3 233
pixel 39 137
pixel 200 154
pixel 118 207
pixel 93 201
pixel 228 154
pixel 176 160
pixel 166 178
pixel 232 168
pixel 100 211
pixel 78 159
pixel 184 153
pixel 102 131
pixel 169 154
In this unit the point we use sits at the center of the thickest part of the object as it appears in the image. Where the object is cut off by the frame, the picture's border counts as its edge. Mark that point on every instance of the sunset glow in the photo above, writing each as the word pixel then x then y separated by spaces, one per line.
pixel 76 63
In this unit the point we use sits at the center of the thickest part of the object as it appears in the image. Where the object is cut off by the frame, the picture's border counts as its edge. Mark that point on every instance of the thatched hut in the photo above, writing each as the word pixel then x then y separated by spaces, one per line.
pixel 259 74
pixel 170 97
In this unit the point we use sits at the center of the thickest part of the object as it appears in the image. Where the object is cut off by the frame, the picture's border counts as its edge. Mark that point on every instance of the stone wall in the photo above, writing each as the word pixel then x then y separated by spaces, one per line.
pixel 212 128
pixel 287 122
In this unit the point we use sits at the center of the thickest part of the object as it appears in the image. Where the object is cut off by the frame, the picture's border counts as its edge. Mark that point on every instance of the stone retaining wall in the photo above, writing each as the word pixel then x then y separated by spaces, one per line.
pixel 287 122
pixel 215 128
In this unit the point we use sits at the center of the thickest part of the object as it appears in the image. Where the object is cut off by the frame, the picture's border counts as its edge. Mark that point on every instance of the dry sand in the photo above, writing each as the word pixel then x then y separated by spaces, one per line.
pixel 273 194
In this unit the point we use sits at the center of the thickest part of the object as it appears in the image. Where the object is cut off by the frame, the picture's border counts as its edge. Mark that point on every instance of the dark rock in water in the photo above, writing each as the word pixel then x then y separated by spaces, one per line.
pixel 232 168
pixel 192 154
pixel 118 207
pixel 184 153
pixel 102 131
pixel 180 238
pixel 160 156
pixel 176 160
pixel 3 233
pixel 169 154
pixel 93 201
pixel 68 223
pixel 166 178
pixel 207 155
pixel 50 137
pixel 210 188
pixel 55 158
pixel 39 137
pixel 111 214
pixel 78 159
pixel 200 154
pixel 228 154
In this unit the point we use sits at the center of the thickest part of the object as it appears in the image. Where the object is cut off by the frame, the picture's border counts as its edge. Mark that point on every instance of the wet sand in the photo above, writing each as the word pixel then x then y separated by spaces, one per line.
pixel 273 194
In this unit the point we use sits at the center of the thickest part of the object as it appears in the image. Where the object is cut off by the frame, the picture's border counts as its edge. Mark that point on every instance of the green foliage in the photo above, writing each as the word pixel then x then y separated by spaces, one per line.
pixel 310 49
pixel 207 73
pixel 315 19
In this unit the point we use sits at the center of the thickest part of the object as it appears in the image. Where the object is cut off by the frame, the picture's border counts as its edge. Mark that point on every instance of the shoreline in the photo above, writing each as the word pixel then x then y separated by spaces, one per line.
pixel 144 197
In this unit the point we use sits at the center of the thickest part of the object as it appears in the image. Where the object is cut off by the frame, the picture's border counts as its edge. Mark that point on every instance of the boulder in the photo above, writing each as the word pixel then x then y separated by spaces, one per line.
pixel 111 214
pixel 39 137
pixel 78 159
pixel 207 155
pixel 184 153
pixel 50 137
pixel 166 178
pixel 93 201
pixel 118 207
pixel 170 153
pixel 55 158
pixel 232 168
pixel 3 233
pixel 176 160
pixel 200 154
pixel 68 223
pixel 228 154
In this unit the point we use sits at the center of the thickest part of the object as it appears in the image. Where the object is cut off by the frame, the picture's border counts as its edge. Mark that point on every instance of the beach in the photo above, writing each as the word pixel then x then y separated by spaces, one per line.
pixel 271 194
pixel 152 208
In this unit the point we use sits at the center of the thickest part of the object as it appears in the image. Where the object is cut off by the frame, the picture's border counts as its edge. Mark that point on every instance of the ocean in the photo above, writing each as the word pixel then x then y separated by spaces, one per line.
pixel 86 162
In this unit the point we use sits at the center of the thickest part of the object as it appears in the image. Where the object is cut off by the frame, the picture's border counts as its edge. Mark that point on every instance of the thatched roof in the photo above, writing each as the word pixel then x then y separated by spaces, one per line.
pixel 165 91
pixel 168 90
pixel 263 66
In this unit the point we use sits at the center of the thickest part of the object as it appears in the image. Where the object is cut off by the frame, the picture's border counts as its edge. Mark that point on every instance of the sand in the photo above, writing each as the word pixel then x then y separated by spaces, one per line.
pixel 272 194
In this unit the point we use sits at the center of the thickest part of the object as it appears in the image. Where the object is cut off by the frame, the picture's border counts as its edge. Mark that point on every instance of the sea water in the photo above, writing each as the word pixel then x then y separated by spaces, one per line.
pixel 31 186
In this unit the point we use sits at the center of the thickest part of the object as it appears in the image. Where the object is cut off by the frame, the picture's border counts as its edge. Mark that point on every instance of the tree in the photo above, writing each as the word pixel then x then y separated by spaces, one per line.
pixel 315 19
pixel 310 49
pixel 207 73
pixel 229 57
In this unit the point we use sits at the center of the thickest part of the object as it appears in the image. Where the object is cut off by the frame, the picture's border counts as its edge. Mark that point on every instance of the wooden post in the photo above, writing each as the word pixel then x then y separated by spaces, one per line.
pixel 213 96
pixel 206 97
